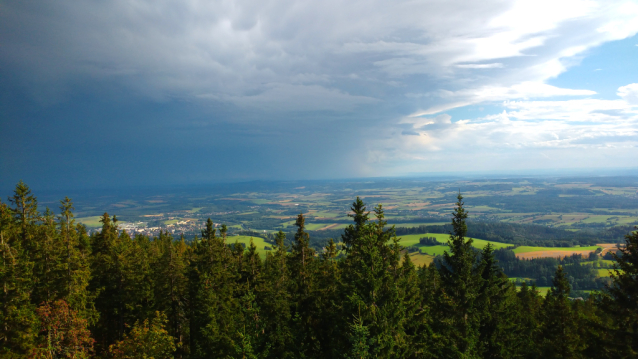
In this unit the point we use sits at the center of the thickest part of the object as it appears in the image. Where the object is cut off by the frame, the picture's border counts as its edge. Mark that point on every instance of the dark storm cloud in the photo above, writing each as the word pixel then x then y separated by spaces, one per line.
pixel 264 89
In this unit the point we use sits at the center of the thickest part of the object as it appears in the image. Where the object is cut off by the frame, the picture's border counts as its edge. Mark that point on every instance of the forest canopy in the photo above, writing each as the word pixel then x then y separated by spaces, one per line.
pixel 109 295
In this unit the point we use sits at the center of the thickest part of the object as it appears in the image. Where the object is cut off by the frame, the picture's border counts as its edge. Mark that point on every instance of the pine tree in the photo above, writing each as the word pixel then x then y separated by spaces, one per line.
pixel 18 322
pixel 74 262
pixel 48 265
pixel 559 332
pixel 429 287
pixel 327 302
pixel 275 301
pixel 301 263
pixel 369 290
pixel 26 214
pixel 497 306
pixel 414 321
pixel 461 281
pixel 171 287
pixel 120 282
pixel 528 321
pixel 618 300
pixel 214 311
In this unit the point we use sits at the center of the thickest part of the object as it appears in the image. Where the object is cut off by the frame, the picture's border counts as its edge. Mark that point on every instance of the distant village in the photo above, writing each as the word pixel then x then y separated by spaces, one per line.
pixel 176 224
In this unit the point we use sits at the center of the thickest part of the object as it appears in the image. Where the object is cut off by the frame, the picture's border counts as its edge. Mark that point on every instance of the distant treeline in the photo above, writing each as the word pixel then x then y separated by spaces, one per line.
pixel 541 270
pixel 66 294
pixel 527 234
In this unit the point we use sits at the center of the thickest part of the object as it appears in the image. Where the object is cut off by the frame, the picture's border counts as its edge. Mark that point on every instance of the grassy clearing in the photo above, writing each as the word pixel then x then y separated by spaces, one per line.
pixel 315 226
pixel 413 240
pixel 260 243
pixel 171 221
pixel 604 272
pixel 421 259
pixel 543 290
pixel 91 222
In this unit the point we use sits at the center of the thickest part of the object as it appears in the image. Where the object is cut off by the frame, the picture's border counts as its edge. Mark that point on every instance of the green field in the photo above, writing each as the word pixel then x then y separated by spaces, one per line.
pixel 260 243
pixel 314 226
pixel 526 249
pixel 604 272
pixel 413 240
pixel 409 225
pixel 600 261
pixel 91 222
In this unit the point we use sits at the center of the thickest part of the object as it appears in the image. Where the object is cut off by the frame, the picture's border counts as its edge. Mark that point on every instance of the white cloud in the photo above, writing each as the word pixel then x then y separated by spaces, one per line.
pixel 524 90
pixel 629 93
pixel 495 65
pixel 573 130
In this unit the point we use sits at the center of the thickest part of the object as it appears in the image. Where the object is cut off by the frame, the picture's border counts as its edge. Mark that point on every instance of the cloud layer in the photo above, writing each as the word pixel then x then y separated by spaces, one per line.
pixel 386 70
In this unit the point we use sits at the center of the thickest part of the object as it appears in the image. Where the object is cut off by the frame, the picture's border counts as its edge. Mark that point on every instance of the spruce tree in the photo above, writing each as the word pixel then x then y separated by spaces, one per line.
pixel 275 300
pixel 415 312
pixel 497 306
pixel 327 303
pixel 214 312
pixel 18 322
pixel 171 287
pixel 457 301
pixel 369 291
pixel 301 263
pixel 619 299
pixel 559 333
pixel 528 320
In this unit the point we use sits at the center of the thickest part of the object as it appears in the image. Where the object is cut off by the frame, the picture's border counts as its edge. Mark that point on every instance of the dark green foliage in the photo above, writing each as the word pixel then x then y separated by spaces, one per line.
pixel 497 307
pixel 458 299
pixel 363 298
pixel 301 262
pixel 18 322
pixel 619 300
pixel 429 241
pixel 559 332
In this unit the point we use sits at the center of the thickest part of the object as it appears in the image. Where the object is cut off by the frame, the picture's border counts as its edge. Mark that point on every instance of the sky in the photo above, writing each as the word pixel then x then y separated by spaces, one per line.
pixel 176 92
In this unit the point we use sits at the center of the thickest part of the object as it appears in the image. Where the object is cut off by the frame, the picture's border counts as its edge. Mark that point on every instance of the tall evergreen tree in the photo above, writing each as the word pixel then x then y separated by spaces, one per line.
pixel 301 263
pixel 461 281
pixel 171 287
pixel 215 313
pixel 559 334
pixel 74 262
pixel 18 322
pixel 275 301
pixel 327 302
pixel 370 272
pixel 528 321
pixel 414 321
pixel 497 306
pixel 619 300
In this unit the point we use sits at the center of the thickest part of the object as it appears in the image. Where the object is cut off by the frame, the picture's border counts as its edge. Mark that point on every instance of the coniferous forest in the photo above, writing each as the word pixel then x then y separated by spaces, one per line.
pixel 67 294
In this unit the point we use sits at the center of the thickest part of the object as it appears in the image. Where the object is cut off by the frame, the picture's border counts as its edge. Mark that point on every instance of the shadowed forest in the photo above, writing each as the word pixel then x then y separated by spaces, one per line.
pixel 68 294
